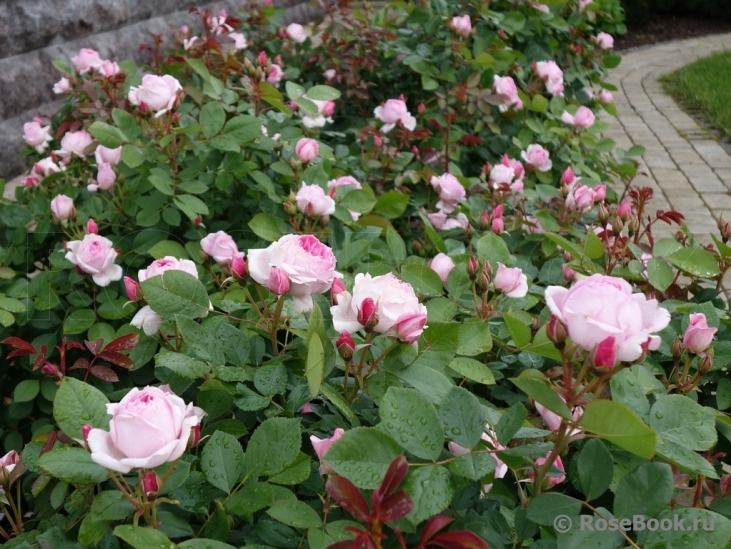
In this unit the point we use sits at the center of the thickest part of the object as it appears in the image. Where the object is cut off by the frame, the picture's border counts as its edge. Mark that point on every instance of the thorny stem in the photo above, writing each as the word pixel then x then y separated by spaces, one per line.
pixel 275 323
pixel 121 488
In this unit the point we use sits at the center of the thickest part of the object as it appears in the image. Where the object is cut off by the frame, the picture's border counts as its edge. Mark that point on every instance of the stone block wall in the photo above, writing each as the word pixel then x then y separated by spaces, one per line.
pixel 35 32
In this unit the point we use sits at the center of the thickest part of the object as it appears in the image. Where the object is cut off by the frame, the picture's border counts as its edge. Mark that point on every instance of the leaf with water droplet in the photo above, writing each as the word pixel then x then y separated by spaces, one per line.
pixel 425 440
pixel 431 491
pixel 222 461
pixel 462 416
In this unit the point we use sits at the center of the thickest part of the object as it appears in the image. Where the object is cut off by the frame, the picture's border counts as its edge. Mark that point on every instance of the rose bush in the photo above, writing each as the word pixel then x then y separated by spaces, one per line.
pixel 377 281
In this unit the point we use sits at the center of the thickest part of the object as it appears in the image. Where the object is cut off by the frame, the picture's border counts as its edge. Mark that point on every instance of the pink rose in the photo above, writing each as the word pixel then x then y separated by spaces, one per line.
pixel 103 154
pixel 132 289
pixel 606 97
pixel 7 464
pixel 552 76
pixel 344 181
pixel 568 176
pixel 584 118
pixel 147 320
pixel 552 480
pixel 63 207
pixel 604 41
pixel 149 427
pixel 600 306
pixel 501 175
pixel 325 110
pixel 624 210
pixel 167 263
pixel 322 445
pixel 442 264
pixel 584 3
pixel 605 355
pixel 399 312
pixel 537 157
pixel 307 262
pixel 239 40
pixel 540 7
pixel 505 87
pixel 307 149
pixel 553 421
pixel 36 135
pixel 105 178
pixel 462 25
pixel 109 68
pixel 518 168
pixel 157 93
pixel 698 335
pixel 86 60
pixel 491 438
pixel 511 281
pixel 297 32
pixel 392 112
pixel 330 74
pixel 278 282
pixel 275 74
pixel 450 190
pixel 459 222
pixel 580 197
pixel 75 143
pixel 95 255
pixel 312 201
pixel 30 181
pixel 62 86
pixel 221 247
pixel 47 166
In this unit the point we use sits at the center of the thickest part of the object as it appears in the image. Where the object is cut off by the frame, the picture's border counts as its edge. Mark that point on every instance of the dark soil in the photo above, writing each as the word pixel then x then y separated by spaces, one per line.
pixel 664 29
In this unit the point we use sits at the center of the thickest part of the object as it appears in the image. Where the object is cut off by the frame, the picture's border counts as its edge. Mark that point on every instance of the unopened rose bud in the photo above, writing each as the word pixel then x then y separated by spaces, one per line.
pixel 633 226
pixel 50 370
pixel 336 289
pixel 417 247
pixel 725 228
pixel 278 282
pixel 604 357
pixel 151 483
pixel 262 58
pixel 557 332
pixel 197 221
pixel 624 211
pixel 345 346
pixel 377 140
pixel 92 227
pixel 421 109
pixel 705 364
pixel 565 190
pixel 473 266
pixel 677 348
pixel 603 213
pixel 238 267
pixel 85 430
pixel 368 314
pixel 290 209
pixel 195 436
pixel 568 273
pixel 483 280
pixel 567 257
pixel 617 225
pixel 484 221
pixel 324 220
pixel 133 289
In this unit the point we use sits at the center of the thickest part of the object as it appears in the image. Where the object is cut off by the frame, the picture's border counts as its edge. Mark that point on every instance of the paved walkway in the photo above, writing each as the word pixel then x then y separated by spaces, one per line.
pixel 689 171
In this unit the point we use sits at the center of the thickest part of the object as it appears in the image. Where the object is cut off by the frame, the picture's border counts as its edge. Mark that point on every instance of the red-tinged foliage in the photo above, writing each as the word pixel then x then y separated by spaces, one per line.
pixel 19 344
pixel 124 343
pixel 94 346
pixel 440 522
pixel 670 217
pixel 396 506
pixel 104 373
pixel 395 475
pixel 348 497
pixel 460 539
pixel 118 359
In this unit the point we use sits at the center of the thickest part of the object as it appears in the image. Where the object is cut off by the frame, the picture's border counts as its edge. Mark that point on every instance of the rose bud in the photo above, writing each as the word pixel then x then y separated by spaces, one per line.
pixel 605 355
pixel 677 348
pixel 92 227
pixel 62 207
pixel 698 336
pixel 307 149
pixel 238 267
pixel 484 221
pixel 278 282
pixel 725 228
pixel 195 436
pixel 85 430
pixel 557 332
pixel 133 289
pixel 603 214
pixel 472 267
pixel 346 346
pixel 368 314
pixel 624 211
pixel 50 370
pixel 705 364
pixel 151 483
pixel 337 288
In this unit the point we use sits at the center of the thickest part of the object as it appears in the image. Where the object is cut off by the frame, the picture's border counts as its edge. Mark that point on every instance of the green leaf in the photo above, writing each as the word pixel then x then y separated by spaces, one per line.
pixel 126 123
pixel 645 491
pixel 107 135
pixel 430 490
pixel 73 466
pixel 472 369
pixel 14 215
pixel 358 200
pixel 423 279
pixel 618 424
pixel 190 205
pixel 323 93
pixel 274 445
pixel 474 337
pixel 250 499
pixel 678 419
pixel 492 248
pixel 294 513
pixel 434 385
pixel 352 252
pixel 111 505
pixel 212 118
pixel 294 91
pixel 723 394
pixel 510 423
pixel 222 461
pixel 539 104
pixel 79 321
pixel 612 60
pixel 545 508
pixel 141 537
pixel 659 274
pixel 296 472
pixel 542 393
pixel 396 246
pixel 392 204
pixel 702 528
pixel 132 156
pixel 520 333
pixel 201 341
pixel 26 390
pixel 176 293
pixel 462 416
pixel 201 543
pixel 686 460
pixel 473 466
pixel 595 468
pixel 362 455
pixel 12 305
pixel 315 364
pixel 695 261
pixel 413 422
pixel 77 404
pixel 265 227
pixel 271 379
pixel 168 248
pixel 181 364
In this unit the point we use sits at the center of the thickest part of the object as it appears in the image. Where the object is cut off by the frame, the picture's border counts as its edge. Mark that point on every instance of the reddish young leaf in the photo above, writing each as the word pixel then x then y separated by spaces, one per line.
pixel 433 526
pixel 348 496
pixel 20 352
pixel 18 344
pixel 124 343
pixel 40 361
pixel 395 506
pixel 80 364
pixel 73 345
pixel 396 473
pixel 102 372
pixel 460 539
pixel 118 359
pixel 94 346
pixel 50 441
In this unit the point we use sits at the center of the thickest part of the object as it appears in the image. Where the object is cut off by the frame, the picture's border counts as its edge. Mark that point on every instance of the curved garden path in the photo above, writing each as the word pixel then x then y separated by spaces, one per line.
pixel 689 170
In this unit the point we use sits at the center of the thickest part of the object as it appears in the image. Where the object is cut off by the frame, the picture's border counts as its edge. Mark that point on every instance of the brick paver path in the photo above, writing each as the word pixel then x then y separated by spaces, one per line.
pixel 689 171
